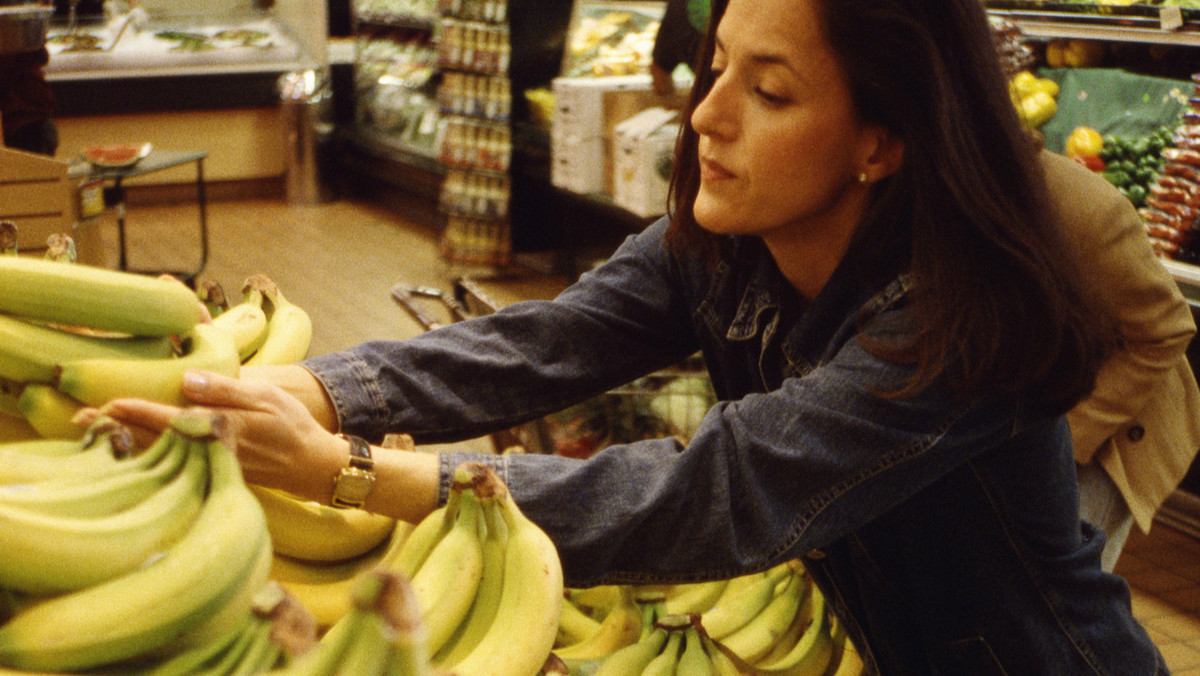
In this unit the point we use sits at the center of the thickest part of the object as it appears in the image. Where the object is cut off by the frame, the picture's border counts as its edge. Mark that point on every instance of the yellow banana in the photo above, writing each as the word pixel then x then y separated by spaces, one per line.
pixel 795 631
pixel 422 539
pixel 694 597
pixel 323 589
pixel 154 605
pixel 289 327
pixel 664 663
pixel 247 325
pixel 850 662
pixel 97 381
pixel 744 598
pixel 50 412
pixel 756 638
pixel 694 660
pixel 41 446
pixel 30 353
pixel 574 625
pixel 532 597
pixel 621 626
pixel 447 581
pixel 16 428
pixel 95 297
pixel 45 553
pixel 723 664
pixel 483 610
pixel 596 600
pixel 307 530
pixel 813 653
pixel 102 495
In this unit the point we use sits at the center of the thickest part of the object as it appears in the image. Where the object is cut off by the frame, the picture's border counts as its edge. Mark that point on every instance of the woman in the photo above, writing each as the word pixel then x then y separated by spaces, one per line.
pixel 862 250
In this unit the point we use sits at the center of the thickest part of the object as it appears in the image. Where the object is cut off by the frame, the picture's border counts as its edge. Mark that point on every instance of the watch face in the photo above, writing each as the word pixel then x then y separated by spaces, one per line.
pixel 353 486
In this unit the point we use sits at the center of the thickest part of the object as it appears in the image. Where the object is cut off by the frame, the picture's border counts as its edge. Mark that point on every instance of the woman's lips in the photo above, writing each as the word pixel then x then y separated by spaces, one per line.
pixel 710 170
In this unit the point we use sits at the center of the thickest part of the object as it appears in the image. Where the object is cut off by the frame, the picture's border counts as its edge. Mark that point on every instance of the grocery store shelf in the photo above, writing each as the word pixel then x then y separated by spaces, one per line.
pixel 1184 273
pixel 1099 27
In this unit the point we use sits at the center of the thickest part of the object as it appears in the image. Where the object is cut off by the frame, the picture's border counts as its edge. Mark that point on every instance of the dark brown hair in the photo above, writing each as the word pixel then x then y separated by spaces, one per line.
pixel 1000 300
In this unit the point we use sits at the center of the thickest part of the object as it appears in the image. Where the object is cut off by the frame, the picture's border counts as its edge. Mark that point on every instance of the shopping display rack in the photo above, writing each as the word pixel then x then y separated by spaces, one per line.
pixel 668 402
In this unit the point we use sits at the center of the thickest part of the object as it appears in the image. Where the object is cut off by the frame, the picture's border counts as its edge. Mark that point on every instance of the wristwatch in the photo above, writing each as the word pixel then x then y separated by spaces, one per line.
pixel 352 485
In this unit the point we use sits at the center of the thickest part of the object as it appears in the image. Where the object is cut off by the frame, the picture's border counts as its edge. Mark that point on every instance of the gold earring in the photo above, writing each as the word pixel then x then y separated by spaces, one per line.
pixel 862 177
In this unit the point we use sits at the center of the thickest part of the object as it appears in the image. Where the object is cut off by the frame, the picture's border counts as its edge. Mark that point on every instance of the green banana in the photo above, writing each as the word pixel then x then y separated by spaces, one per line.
pixel 531 600
pixel 723 664
pixel 247 325
pixel 50 412
pixel 744 598
pixel 694 597
pixel 95 382
pixel 757 637
pixel 30 353
pixel 368 652
pixel 407 558
pixel 289 327
pixel 621 625
pixel 491 586
pixel 103 495
pixel 41 446
pixel 193 661
pixel 574 625
pixel 149 608
pixel 83 295
pixel 813 653
pixel 694 660
pixel 664 663
pixel 98 454
pixel 633 658
pixel 46 553
pixel 447 581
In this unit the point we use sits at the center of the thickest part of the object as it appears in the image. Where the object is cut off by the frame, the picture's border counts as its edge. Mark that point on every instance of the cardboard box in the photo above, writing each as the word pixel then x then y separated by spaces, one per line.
pixel 38 195
pixel 587 111
pixel 643 152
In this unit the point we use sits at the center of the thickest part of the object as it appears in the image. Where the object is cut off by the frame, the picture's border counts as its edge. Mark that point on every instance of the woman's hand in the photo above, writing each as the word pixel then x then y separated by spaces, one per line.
pixel 278 441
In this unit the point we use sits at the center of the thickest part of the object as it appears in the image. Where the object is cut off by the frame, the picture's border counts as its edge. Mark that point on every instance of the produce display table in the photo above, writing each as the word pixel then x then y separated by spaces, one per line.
pixel 156 160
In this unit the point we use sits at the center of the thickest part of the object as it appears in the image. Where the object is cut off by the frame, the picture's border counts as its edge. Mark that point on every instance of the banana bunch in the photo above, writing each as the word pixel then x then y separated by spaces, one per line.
pixel 488 581
pixel 381 635
pixel 74 335
pixel 203 554
pixel 286 328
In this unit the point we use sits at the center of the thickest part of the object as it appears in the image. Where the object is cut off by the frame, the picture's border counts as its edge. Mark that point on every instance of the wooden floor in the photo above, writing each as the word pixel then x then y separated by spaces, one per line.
pixel 340 260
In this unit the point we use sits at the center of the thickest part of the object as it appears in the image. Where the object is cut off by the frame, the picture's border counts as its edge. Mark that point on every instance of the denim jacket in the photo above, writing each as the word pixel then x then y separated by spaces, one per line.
pixel 944 533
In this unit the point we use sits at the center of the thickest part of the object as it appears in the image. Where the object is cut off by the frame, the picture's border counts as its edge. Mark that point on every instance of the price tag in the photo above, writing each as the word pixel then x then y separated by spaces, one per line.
pixel 1170 18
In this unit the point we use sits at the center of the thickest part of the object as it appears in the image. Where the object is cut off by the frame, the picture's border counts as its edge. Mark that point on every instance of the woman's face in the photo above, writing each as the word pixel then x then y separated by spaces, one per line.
pixel 781 146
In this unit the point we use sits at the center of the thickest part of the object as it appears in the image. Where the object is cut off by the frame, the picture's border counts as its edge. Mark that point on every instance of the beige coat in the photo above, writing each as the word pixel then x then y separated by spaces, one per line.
pixel 1142 422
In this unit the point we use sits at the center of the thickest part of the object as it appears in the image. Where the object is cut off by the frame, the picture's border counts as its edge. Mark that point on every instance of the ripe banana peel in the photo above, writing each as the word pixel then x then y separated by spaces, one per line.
pixel 99 298
pixel 246 323
pixel 306 530
pixel 30 352
pixel 98 381
pixel 50 411
pixel 621 626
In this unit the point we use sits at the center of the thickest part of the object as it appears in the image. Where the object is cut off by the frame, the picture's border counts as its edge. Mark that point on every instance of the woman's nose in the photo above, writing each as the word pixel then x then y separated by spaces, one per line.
pixel 711 116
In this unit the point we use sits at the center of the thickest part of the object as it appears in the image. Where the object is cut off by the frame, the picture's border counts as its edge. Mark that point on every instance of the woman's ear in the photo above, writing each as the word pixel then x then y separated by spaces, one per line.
pixel 884 154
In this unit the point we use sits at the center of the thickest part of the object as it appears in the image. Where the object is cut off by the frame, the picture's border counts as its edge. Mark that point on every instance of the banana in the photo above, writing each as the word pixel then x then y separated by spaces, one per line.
pixel 531 600
pixel 97 381
pixel 247 324
pixel 60 248
pixel 595 600
pixel 574 625
pixel 694 660
pixel 794 632
pixel 422 539
pixel 29 352
pixel 154 605
pixel 633 658
pixel 409 654
pixel 447 581
pixel 621 626
pixel 46 553
pixel 99 453
pixel 491 586
pixel 212 294
pixel 95 297
pixel 322 588
pixel 744 597
pixel 310 531
pixel 664 663
pixel 722 663
pixel 103 495
pixel 694 597
pixel 813 653
pixel 369 651
pixel 289 327
pixel 850 662
pixel 41 446
pixel 16 428
pixel 50 412
pixel 756 638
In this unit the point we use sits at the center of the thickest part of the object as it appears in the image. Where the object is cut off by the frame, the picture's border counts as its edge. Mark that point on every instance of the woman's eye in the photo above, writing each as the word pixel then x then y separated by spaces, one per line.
pixel 767 96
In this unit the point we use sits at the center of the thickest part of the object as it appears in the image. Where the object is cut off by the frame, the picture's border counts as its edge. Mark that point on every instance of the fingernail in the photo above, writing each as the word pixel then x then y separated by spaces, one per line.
pixel 195 380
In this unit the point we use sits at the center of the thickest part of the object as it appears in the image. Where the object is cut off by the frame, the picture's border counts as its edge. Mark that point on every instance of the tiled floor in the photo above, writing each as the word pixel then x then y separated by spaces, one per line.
pixel 1163 569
